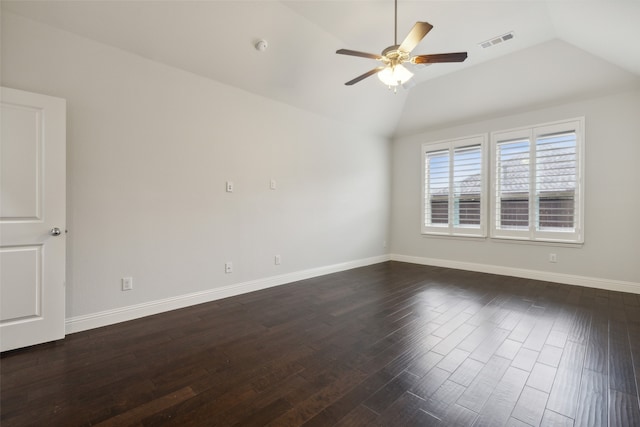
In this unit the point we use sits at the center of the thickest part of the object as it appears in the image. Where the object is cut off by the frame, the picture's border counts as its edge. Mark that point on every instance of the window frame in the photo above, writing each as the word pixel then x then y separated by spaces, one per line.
pixel 450 229
pixel 532 134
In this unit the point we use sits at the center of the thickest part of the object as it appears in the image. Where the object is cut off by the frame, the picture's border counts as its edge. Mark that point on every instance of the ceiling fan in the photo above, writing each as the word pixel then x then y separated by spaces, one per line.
pixel 392 72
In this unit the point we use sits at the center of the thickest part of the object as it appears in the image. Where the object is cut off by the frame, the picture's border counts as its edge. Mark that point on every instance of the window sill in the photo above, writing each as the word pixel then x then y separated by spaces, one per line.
pixel 454 236
pixel 506 240
pixel 537 242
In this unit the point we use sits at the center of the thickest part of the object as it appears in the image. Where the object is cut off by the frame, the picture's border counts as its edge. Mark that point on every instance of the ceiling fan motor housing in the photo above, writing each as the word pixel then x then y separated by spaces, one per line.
pixel 393 55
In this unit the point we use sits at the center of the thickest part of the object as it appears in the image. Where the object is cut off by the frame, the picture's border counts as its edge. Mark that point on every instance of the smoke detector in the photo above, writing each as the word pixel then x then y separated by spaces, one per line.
pixel 261 45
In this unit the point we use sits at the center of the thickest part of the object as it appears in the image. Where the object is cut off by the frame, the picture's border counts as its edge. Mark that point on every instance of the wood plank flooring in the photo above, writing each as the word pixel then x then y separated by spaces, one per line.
pixel 392 344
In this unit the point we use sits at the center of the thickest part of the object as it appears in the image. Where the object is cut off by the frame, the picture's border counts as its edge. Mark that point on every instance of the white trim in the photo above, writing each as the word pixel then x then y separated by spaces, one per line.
pixel 568 279
pixel 122 314
pixel 450 146
pixel 532 134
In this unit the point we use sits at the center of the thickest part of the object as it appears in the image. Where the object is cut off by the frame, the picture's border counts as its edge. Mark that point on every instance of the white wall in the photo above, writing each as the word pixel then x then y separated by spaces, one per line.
pixel 612 200
pixel 150 147
pixel 149 150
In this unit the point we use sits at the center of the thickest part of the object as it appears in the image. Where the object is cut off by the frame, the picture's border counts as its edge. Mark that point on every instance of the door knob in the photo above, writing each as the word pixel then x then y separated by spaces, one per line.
pixel 55 231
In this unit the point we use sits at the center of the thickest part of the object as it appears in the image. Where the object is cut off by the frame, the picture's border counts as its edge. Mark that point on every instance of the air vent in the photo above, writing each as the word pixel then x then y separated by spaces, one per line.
pixel 497 40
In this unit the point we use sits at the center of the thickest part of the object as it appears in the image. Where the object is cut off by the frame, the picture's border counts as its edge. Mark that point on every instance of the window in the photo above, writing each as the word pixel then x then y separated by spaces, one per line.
pixel 537 184
pixel 454 182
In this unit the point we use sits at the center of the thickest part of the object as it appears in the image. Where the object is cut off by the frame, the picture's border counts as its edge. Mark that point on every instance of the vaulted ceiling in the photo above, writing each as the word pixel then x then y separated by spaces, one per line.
pixel 561 49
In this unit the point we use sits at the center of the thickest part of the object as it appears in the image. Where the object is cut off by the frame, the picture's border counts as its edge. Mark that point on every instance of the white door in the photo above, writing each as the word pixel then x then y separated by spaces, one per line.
pixel 32 218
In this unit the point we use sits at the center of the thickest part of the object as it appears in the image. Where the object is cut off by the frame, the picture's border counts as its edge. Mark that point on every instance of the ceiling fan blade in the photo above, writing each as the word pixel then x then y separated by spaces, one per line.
pixel 417 33
pixel 356 53
pixel 364 76
pixel 440 57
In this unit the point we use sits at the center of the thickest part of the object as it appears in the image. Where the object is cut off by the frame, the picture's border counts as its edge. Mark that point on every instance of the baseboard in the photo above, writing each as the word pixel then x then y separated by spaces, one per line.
pixel 110 317
pixel 568 279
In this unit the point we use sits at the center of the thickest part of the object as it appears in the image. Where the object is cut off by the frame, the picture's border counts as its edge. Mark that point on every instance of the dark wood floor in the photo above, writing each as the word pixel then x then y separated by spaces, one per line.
pixel 392 344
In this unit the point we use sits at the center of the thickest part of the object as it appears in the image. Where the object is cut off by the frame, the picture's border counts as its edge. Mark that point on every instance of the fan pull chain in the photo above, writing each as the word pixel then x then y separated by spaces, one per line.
pixel 395 88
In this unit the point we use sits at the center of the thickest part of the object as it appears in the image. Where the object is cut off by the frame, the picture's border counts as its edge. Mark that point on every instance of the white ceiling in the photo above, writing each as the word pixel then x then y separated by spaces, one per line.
pixel 561 49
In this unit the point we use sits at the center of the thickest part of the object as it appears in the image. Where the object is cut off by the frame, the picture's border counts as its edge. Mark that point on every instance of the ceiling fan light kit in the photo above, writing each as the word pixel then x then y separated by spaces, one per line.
pixel 392 73
pixel 394 76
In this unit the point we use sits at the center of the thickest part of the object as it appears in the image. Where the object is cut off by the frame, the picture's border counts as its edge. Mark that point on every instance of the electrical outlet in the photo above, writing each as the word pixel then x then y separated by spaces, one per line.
pixel 553 258
pixel 228 267
pixel 273 184
pixel 127 283
pixel 229 186
pixel 277 260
